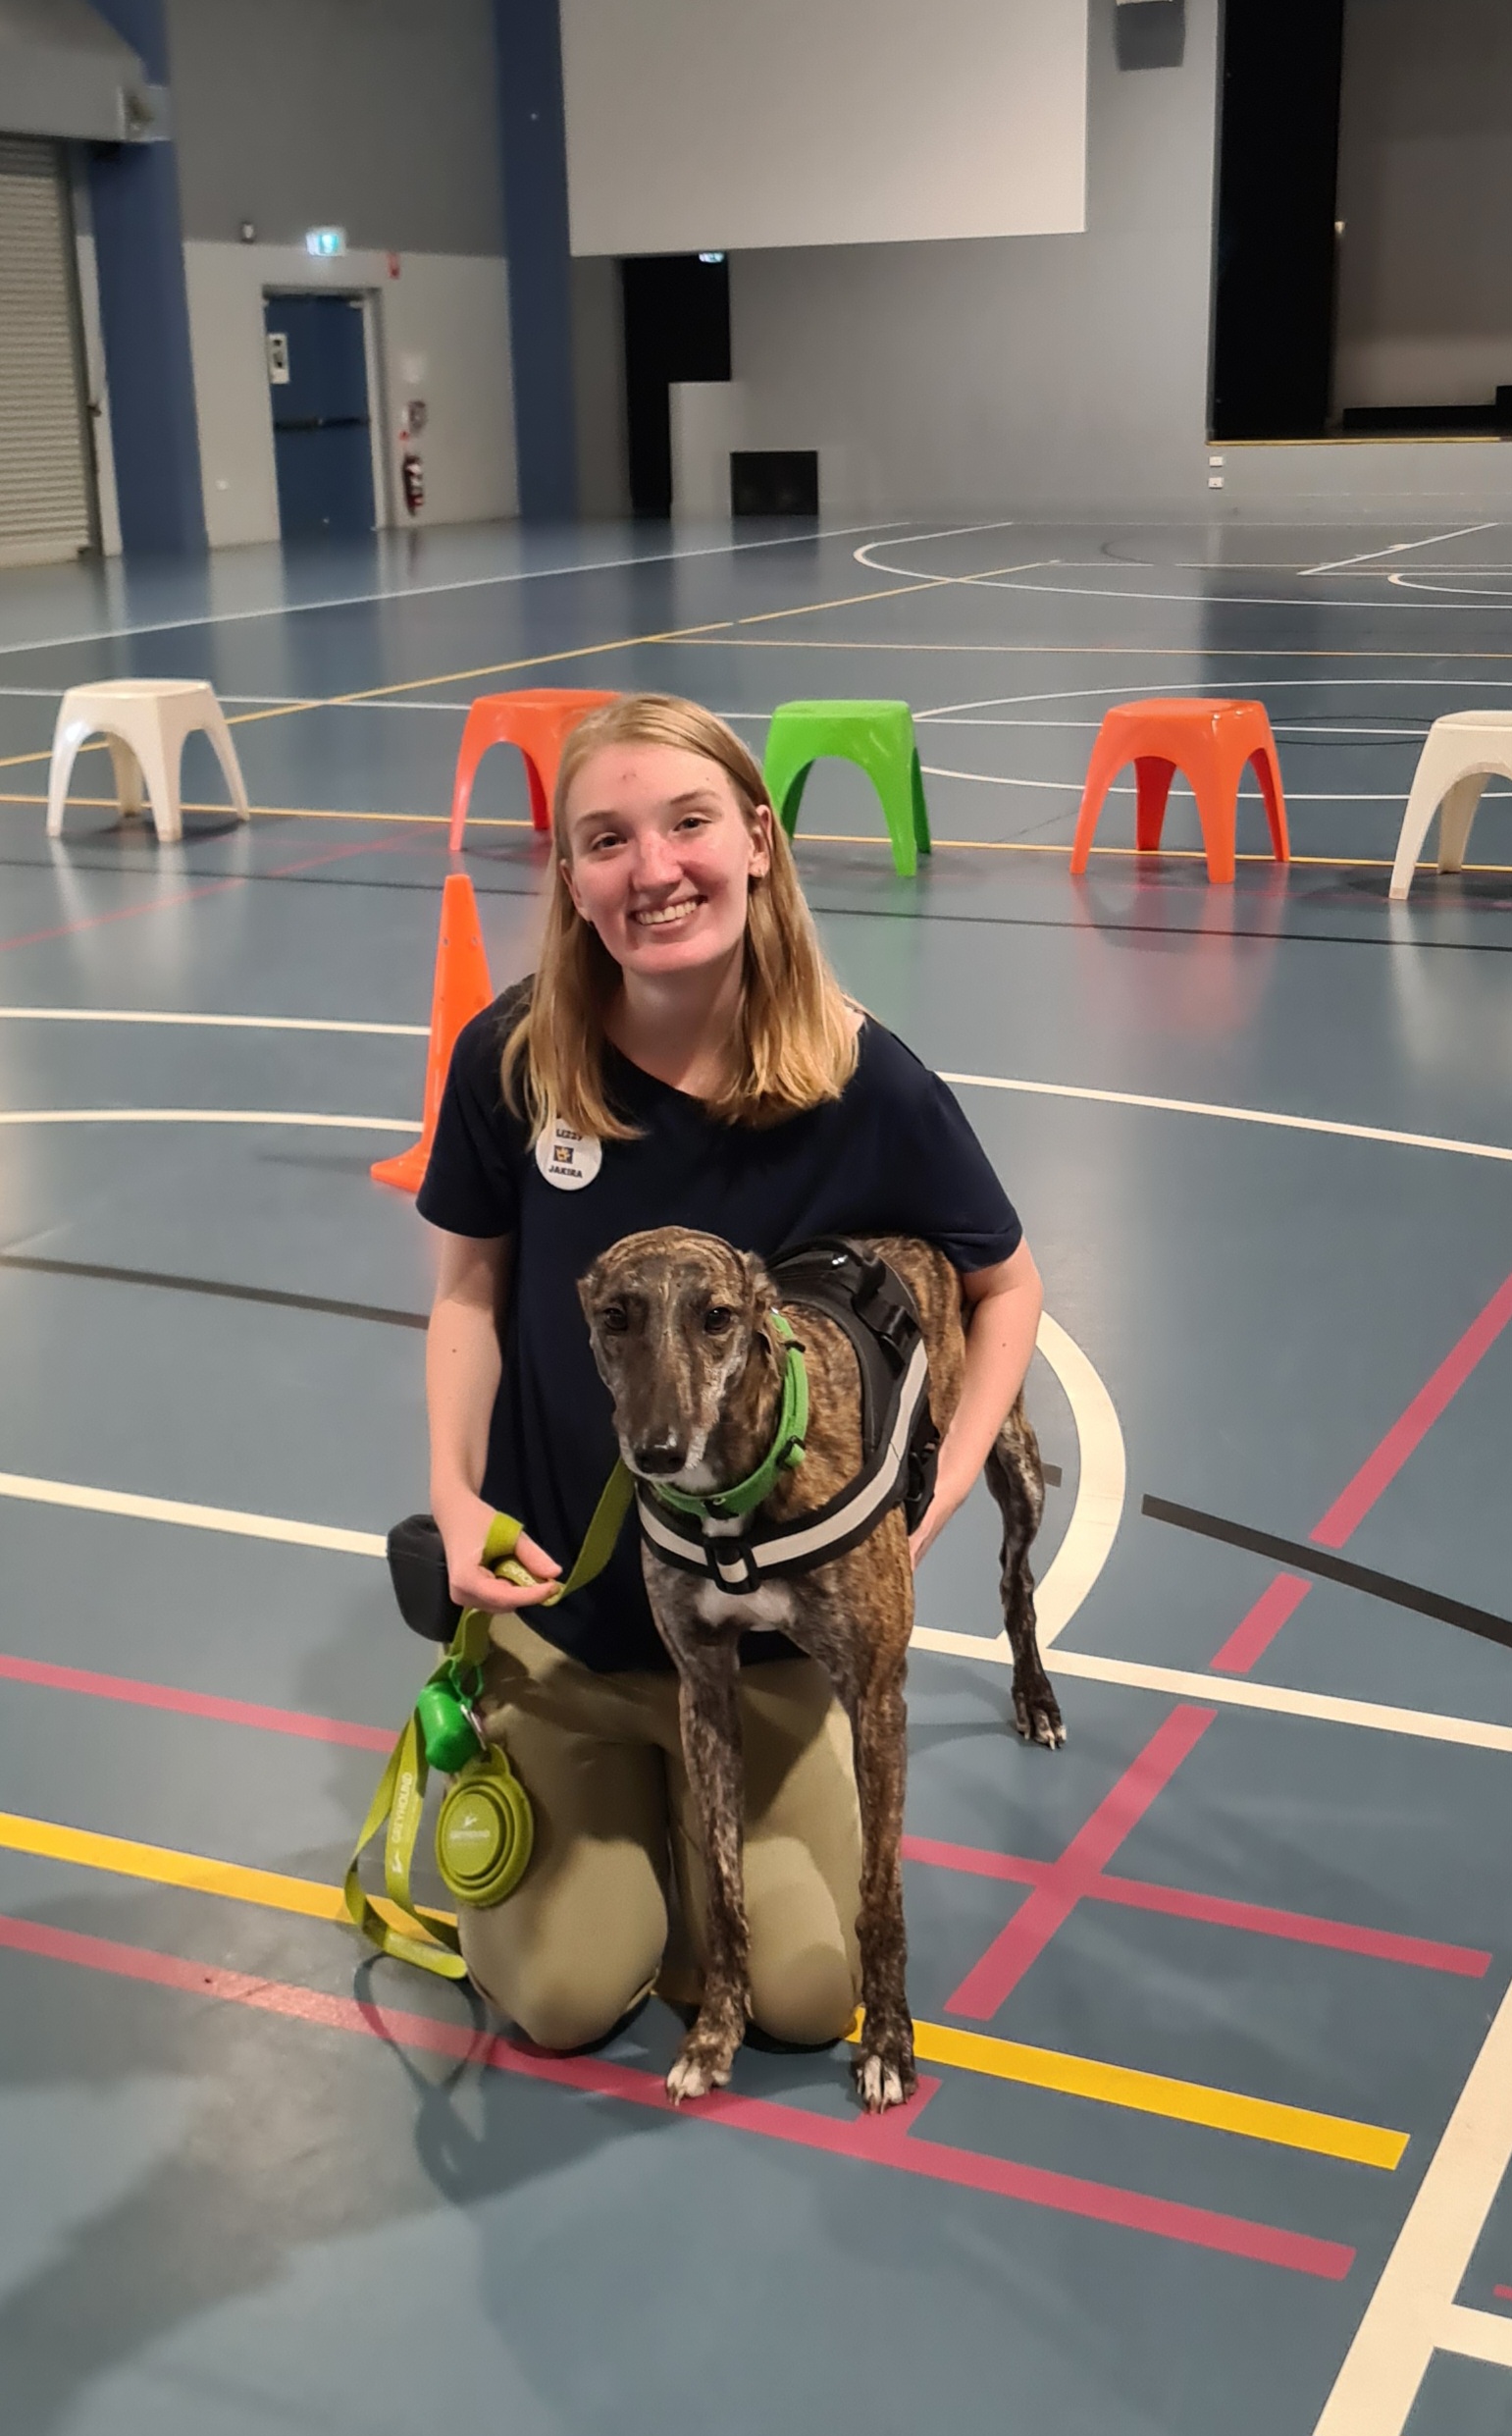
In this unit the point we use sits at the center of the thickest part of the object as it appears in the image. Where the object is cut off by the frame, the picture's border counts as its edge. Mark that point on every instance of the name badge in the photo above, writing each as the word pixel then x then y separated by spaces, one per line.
pixel 567 1159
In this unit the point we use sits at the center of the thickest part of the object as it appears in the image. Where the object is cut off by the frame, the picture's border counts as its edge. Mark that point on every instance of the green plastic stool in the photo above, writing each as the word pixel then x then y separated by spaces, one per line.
pixel 876 735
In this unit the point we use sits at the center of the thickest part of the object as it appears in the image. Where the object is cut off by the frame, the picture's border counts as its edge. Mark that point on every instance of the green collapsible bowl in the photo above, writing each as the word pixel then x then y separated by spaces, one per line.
pixel 484 1832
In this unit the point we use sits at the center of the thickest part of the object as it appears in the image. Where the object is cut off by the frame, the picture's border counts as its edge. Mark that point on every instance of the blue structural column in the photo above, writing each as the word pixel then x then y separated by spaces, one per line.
pixel 533 143
pixel 144 314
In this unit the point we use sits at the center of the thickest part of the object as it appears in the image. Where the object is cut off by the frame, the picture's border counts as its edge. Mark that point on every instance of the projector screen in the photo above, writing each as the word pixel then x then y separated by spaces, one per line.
pixel 697 126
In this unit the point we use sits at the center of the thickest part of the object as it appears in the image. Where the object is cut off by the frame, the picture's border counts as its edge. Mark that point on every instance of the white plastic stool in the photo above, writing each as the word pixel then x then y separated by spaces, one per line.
pixel 144 720
pixel 1460 753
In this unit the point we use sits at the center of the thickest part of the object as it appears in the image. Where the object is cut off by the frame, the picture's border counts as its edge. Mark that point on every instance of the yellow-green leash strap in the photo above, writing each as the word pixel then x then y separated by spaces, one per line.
pixel 597 1547
pixel 400 1799
pixel 401 1796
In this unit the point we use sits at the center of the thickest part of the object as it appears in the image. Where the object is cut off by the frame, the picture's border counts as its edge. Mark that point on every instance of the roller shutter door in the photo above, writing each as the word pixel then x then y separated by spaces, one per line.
pixel 44 482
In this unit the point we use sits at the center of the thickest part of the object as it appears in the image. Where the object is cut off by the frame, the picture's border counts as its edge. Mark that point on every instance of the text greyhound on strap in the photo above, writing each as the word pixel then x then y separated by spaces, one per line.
pixel 721 1534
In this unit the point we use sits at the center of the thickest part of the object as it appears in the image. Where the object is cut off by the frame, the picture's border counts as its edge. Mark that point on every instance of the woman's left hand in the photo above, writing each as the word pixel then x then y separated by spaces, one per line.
pixel 937 1514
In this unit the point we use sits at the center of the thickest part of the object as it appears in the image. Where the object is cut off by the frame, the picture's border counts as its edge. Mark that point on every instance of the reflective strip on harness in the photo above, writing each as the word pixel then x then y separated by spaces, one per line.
pixel 741 1563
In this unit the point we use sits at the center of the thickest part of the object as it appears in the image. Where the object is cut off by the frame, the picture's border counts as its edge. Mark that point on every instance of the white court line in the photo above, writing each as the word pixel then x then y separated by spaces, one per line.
pixel 1074 786
pixel 230 1022
pixel 1482 592
pixel 190 1518
pixel 1194 685
pixel 1231 1691
pixel 1331 566
pixel 1101 1484
pixel 424 592
pixel 1290 728
pixel 1412 2311
pixel 946 533
pixel 203 1116
pixel 1210 599
pixel 1236 1116
pixel 405 1124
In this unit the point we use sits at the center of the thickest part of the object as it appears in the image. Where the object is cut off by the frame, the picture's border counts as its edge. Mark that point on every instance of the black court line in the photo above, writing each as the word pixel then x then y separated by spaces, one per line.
pixel 1301 1557
pixel 866 912
pixel 254 1294
pixel 218 1286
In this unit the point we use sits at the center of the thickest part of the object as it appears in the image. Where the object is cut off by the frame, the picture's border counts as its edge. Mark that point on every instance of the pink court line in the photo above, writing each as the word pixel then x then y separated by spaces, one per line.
pixel 1247 1644
pixel 989 1983
pixel 865 2139
pixel 969 1860
pixel 1381 1468
pixel 1501 2292
pixel 192 896
pixel 1216 1911
pixel 139 1695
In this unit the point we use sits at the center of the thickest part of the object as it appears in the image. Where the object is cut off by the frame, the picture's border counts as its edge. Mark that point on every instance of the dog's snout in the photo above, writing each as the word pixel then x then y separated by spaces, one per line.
pixel 661 1457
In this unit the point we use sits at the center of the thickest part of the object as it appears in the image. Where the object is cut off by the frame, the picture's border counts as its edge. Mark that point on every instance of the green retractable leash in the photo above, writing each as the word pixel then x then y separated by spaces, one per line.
pixel 485 1829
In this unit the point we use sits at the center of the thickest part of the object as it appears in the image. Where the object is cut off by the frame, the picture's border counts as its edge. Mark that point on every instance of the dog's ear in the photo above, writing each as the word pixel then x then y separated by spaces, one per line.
pixel 587 1291
pixel 760 1295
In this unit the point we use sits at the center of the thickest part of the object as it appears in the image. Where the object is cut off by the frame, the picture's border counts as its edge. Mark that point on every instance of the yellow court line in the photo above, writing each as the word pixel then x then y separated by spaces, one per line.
pixel 1150 2093
pixel 196 1872
pixel 537 660
pixel 1001 2059
pixel 715 632
pixel 805 837
pixel 420 684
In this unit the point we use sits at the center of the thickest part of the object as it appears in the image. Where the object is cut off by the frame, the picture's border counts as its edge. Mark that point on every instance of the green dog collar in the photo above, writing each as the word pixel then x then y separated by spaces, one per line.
pixel 783 1455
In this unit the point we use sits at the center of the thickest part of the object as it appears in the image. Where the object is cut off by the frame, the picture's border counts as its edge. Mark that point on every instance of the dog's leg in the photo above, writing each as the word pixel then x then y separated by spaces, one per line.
pixel 884 2067
pixel 709 1715
pixel 1016 1481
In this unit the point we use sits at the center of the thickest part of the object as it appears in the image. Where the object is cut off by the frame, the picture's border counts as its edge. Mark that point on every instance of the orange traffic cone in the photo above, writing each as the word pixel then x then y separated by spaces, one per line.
pixel 462 990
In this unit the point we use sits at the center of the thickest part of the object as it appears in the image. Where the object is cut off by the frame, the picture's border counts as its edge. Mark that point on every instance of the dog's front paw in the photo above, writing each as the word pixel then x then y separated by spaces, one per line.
pixel 1037 1712
pixel 884 2069
pixel 706 2058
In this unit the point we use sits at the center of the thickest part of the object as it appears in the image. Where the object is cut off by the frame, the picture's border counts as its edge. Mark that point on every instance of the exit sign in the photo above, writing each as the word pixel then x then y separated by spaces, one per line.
pixel 323 242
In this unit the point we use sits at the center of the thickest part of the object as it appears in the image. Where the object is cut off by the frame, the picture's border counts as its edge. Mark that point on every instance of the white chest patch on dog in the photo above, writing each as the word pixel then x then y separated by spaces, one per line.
pixel 567 1159
pixel 770 1606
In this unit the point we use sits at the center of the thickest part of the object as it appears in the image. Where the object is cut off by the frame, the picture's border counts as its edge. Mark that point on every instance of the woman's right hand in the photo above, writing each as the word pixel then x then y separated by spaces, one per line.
pixel 464 1523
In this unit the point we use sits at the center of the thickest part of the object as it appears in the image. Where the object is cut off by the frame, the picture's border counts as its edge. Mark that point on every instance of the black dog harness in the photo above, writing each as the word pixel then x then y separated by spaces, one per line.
pixel 900 1443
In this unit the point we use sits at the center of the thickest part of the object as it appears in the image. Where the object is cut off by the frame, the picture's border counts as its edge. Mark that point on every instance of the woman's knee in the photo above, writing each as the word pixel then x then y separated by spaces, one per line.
pixel 560 2013
pixel 807 1996
pixel 558 1991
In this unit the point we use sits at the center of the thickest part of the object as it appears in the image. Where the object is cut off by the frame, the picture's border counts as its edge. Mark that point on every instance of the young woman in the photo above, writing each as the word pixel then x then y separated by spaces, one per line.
pixel 683 1055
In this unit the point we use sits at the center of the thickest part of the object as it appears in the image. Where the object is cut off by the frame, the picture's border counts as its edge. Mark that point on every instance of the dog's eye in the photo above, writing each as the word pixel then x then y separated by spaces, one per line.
pixel 615 1319
pixel 717 1318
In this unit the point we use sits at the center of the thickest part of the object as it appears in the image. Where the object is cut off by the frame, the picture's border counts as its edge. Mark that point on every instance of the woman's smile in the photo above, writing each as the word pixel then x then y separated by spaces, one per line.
pixel 667 917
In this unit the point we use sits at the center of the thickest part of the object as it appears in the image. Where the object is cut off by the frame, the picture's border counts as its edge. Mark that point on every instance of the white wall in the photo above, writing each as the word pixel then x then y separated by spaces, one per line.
pixel 1063 375
pixel 379 116
pixel 1424 192
pixel 695 124
pixel 1042 371
pixel 441 332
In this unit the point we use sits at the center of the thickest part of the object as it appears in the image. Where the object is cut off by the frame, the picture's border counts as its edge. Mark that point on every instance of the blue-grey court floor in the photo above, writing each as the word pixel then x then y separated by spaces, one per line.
pixel 1214 2006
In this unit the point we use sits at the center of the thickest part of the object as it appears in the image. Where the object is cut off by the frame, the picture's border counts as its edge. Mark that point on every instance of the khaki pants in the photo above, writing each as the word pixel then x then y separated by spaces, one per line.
pixel 616 1863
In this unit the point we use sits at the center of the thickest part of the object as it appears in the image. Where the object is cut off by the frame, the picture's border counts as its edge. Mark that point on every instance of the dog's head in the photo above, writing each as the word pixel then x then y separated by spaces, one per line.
pixel 672 1317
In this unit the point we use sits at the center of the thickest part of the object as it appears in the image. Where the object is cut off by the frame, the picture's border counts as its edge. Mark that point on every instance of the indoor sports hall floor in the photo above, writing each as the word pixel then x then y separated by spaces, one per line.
pixel 1219 2103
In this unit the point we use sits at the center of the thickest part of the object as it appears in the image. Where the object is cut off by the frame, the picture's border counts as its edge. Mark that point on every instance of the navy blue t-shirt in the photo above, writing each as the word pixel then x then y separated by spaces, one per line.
pixel 893 1155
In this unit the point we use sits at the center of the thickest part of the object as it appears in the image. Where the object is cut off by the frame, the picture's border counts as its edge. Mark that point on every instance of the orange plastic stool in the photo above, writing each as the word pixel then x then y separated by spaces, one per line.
pixel 539 724
pixel 1210 742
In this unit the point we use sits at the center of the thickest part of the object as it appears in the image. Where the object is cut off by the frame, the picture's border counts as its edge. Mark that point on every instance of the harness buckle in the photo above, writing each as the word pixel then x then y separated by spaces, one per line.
pixel 732 1566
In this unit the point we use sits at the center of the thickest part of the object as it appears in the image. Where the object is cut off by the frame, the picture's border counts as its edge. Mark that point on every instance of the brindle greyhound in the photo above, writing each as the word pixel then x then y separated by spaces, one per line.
pixel 683 1337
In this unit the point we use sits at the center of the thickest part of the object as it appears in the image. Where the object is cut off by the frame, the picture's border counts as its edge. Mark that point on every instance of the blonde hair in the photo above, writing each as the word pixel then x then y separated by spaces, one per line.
pixel 795 1040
